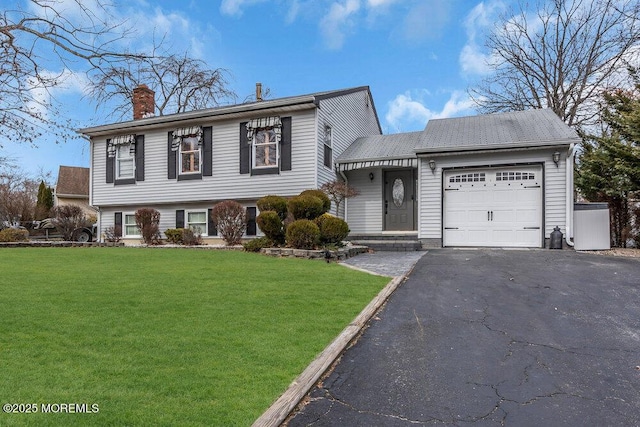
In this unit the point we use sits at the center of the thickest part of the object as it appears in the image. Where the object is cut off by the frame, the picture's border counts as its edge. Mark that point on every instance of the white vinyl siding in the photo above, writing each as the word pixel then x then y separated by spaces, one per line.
pixel 350 117
pixel 364 212
pixel 430 193
pixel 225 183
pixel 167 217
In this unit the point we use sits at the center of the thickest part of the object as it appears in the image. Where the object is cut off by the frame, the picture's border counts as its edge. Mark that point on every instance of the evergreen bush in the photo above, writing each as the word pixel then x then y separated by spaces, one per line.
pixel 271 225
pixel 273 203
pixel 303 234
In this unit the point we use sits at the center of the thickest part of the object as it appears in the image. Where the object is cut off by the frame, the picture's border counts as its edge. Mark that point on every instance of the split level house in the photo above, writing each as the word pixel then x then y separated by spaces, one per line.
pixel 495 180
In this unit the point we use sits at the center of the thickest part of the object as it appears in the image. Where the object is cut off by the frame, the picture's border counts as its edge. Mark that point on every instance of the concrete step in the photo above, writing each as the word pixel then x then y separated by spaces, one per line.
pixel 394 237
pixel 390 245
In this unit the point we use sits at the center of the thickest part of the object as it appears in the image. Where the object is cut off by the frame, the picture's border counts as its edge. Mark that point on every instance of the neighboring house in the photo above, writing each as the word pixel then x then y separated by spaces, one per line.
pixel 72 188
pixel 183 164
pixel 494 180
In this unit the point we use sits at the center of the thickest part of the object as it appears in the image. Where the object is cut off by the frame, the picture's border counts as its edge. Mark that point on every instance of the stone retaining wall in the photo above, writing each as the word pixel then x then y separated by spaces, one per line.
pixel 337 255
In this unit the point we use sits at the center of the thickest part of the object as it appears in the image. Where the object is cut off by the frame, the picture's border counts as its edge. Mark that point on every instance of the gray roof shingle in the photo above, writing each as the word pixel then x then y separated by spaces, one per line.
pixel 378 147
pixel 502 130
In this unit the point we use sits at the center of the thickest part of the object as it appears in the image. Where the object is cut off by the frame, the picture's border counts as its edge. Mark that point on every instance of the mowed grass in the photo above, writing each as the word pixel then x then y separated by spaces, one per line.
pixel 164 336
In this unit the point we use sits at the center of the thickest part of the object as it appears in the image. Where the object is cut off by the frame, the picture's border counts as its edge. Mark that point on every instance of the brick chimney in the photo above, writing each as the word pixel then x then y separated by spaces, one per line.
pixel 144 104
pixel 258 92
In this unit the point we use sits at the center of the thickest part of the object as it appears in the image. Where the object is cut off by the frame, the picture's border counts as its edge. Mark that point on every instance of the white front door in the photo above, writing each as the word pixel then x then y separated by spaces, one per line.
pixel 493 207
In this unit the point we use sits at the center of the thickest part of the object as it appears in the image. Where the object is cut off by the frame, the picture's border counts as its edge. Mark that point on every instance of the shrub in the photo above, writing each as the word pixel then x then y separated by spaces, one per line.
pixel 113 234
pixel 303 234
pixel 326 202
pixel 333 230
pixel 271 225
pixel 148 221
pixel 254 245
pixel 190 238
pixel 231 220
pixel 306 207
pixel 67 218
pixel 174 235
pixel 273 203
pixel 14 235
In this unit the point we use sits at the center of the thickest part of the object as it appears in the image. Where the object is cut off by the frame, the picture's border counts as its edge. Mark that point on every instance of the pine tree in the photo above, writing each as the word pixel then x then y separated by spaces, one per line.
pixel 45 201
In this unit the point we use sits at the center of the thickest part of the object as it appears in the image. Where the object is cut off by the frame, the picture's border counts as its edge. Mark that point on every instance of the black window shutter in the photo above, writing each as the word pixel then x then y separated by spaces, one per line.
pixel 140 158
pixel 251 221
pixel 212 226
pixel 180 219
pixel 285 144
pixel 171 159
pixel 117 222
pixel 111 164
pixel 207 151
pixel 245 150
pixel 327 156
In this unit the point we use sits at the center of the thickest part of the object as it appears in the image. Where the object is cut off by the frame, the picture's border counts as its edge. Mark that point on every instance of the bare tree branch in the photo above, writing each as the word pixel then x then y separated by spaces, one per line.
pixel 179 82
pixel 40 43
pixel 561 58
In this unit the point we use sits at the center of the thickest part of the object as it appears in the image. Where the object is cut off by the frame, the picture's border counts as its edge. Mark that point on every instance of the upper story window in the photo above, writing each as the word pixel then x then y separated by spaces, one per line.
pixel 125 165
pixel 125 159
pixel 328 146
pixel 188 143
pixel 264 135
pixel 189 155
pixel 265 148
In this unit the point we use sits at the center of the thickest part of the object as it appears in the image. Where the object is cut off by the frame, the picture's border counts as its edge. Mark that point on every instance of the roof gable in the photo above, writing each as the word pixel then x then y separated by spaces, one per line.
pixel 73 181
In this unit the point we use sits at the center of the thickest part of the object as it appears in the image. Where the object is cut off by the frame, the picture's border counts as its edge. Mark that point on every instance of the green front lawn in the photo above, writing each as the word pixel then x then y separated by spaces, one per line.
pixel 164 336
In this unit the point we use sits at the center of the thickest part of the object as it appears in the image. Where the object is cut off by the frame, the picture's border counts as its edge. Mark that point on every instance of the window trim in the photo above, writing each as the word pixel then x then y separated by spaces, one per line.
pixel 328 147
pixel 118 160
pixel 255 144
pixel 187 224
pixel 180 153
pixel 125 224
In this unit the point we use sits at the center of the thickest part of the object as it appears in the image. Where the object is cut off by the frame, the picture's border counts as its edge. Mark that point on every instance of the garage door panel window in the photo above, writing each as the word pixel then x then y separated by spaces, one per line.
pixel 468 177
pixel 515 176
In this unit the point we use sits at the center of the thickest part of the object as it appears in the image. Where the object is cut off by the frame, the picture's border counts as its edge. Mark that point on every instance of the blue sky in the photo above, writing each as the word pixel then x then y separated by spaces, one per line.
pixel 418 56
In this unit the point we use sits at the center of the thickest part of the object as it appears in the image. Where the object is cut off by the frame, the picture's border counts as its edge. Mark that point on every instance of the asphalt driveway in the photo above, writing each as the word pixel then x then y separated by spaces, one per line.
pixel 495 337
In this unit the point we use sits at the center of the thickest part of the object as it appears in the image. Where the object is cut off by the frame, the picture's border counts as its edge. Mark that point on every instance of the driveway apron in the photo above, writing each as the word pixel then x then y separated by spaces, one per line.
pixel 494 337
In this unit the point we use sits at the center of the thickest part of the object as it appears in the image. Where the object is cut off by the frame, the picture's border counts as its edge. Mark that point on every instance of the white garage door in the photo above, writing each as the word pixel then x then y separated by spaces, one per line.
pixel 493 207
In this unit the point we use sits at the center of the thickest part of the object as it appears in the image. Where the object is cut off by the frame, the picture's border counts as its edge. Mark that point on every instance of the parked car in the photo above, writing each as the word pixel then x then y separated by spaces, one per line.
pixel 46 229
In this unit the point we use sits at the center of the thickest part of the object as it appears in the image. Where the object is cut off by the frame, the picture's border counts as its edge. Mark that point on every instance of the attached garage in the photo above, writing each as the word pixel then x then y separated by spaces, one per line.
pixel 493 207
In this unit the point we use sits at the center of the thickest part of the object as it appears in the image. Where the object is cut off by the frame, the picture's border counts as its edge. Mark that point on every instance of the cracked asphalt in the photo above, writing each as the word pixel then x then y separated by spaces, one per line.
pixel 494 337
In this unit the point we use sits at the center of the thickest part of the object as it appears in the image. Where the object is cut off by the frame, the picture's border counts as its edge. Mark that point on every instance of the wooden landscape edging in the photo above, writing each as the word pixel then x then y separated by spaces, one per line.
pixel 281 408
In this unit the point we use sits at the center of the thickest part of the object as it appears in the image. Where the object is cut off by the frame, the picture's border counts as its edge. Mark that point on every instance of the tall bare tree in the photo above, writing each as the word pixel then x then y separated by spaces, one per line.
pixel 41 43
pixel 180 83
pixel 18 194
pixel 560 57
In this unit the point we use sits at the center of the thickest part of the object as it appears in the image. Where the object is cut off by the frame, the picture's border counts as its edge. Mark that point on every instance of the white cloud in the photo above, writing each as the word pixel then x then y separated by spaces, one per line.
pixel 473 59
pixel 337 21
pixel 408 110
pixel 235 7
pixel 68 82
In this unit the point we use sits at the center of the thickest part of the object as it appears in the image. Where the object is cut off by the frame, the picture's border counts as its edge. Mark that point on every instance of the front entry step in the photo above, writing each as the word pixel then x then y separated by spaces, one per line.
pixel 389 243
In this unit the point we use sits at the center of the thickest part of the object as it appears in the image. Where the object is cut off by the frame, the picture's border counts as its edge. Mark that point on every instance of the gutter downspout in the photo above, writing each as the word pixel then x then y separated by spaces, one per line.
pixel 346 201
pixel 569 184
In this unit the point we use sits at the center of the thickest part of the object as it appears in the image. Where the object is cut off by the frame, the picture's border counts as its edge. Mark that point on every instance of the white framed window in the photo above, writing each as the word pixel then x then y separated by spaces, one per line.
pixel 197 221
pixel 265 151
pixel 328 146
pixel 125 161
pixel 130 228
pixel 190 155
